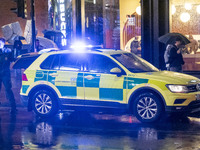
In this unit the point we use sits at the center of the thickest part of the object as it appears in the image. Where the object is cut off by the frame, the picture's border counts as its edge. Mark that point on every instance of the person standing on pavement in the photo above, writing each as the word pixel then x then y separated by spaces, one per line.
pixel 135 46
pixel 6 58
pixel 173 56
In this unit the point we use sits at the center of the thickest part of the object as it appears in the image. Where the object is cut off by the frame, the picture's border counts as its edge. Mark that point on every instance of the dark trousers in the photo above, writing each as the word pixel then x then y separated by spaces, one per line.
pixel 176 69
pixel 6 80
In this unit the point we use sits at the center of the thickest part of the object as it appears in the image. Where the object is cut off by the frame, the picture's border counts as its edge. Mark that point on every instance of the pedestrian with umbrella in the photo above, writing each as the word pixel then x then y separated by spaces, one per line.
pixel 173 56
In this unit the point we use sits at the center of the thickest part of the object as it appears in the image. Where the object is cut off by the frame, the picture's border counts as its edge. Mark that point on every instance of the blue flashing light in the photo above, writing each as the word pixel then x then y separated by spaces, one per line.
pixel 78 45
pixel 81 46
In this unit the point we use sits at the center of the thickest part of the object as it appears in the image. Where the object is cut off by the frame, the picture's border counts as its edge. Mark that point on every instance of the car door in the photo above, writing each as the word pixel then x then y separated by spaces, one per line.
pixel 101 85
pixel 69 77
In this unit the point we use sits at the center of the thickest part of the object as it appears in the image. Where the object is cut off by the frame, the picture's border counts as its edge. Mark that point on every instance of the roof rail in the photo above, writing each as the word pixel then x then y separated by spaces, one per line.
pixel 48 50
pixel 107 49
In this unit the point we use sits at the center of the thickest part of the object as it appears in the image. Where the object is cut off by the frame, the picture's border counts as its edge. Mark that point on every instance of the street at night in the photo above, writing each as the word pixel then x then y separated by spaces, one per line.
pixel 99 75
pixel 81 130
pixel 94 131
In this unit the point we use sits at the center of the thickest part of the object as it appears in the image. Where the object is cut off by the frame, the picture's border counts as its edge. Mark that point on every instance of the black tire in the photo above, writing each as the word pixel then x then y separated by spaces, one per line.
pixel 44 103
pixel 147 107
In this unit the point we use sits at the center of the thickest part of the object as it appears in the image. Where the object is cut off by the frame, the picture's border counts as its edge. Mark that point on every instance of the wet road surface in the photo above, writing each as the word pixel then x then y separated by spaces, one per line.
pixel 82 131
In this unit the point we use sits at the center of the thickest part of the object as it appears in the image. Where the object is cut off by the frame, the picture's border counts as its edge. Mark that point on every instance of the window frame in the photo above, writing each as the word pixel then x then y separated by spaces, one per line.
pixel 109 58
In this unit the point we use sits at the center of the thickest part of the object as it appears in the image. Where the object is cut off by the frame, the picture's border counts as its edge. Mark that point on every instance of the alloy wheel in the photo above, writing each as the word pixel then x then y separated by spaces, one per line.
pixel 147 108
pixel 43 103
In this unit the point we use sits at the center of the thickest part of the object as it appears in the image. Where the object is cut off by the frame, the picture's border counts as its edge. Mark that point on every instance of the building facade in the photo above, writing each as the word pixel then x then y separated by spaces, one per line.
pixel 111 23
pixel 160 17
pixel 118 23
pixel 7 16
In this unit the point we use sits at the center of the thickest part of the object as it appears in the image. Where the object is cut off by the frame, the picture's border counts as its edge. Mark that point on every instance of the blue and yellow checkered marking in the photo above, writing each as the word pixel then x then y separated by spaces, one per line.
pixel 99 86
pixel 68 91
pixel 24 88
pixel 94 83
pixel 42 76
pixel 79 82
pixel 132 82
pixel 111 94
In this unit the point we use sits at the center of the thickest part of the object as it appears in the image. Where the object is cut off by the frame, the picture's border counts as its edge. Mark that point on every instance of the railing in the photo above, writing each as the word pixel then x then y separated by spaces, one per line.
pixel 131 28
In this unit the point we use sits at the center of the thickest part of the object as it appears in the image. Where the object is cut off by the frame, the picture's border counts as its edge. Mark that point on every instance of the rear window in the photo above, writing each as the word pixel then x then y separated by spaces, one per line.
pixel 51 63
pixel 46 64
pixel 24 62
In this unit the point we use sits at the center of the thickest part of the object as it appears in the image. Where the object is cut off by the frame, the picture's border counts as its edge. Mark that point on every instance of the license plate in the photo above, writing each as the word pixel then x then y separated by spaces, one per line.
pixel 198 96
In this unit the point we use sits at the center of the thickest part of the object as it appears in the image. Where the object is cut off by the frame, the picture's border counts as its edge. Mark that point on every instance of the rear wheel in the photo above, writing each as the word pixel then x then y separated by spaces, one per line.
pixel 44 103
pixel 147 107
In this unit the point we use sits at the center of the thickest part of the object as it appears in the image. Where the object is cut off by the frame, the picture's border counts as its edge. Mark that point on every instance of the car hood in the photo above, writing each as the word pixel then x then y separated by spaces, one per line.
pixel 169 77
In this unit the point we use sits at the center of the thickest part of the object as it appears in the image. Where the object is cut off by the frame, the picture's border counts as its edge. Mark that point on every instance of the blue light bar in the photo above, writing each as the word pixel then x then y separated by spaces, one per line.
pixel 81 46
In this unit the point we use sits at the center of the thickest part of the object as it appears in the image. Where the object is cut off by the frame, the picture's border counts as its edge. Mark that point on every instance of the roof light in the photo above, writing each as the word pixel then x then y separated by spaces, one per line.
pixel 78 46
pixel 82 46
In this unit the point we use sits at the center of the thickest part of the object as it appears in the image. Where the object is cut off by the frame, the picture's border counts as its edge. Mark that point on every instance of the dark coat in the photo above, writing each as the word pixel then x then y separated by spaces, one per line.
pixel 175 59
pixel 6 57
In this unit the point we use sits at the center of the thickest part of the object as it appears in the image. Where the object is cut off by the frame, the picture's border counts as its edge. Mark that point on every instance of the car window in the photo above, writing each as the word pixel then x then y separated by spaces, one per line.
pixel 46 64
pixel 24 61
pixel 55 63
pixel 133 63
pixel 100 64
pixel 70 62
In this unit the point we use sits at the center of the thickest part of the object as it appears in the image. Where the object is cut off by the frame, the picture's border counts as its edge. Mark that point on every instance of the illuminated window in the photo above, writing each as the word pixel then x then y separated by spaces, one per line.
pixel 184 18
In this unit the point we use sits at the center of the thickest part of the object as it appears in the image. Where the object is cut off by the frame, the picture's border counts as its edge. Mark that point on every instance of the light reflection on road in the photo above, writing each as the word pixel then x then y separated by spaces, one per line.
pixel 96 131
pixel 92 131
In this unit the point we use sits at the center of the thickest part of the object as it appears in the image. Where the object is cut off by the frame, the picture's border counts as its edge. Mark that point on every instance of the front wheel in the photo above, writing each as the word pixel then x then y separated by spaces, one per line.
pixel 44 103
pixel 147 107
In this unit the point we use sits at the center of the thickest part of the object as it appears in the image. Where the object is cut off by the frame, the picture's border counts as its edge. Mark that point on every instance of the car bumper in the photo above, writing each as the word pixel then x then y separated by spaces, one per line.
pixel 193 107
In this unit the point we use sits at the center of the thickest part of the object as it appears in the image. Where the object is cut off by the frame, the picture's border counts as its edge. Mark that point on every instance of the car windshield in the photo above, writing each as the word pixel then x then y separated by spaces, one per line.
pixel 134 63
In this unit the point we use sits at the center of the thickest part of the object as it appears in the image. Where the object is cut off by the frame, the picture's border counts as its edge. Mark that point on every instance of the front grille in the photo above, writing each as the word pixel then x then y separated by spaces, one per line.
pixel 198 87
pixel 192 88
pixel 194 105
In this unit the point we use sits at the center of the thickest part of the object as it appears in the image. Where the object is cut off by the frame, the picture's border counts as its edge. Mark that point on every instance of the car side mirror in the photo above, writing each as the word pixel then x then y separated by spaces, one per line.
pixel 116 71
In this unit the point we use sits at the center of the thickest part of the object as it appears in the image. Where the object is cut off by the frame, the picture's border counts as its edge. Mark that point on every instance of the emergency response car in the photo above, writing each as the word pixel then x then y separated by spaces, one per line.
pixel 106 80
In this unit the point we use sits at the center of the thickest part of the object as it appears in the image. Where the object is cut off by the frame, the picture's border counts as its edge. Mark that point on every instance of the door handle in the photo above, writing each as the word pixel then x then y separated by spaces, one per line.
pixel 89 77
pixel 53 74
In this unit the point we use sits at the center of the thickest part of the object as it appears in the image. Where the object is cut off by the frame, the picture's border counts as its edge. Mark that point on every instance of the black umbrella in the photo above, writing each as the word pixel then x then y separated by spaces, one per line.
pixel 170 38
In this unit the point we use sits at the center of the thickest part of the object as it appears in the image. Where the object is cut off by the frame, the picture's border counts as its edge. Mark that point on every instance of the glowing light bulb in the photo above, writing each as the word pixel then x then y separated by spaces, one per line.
pixel 173 9
pixel 198 9
pixel 138 10
pixel 185 17
pixel 188 6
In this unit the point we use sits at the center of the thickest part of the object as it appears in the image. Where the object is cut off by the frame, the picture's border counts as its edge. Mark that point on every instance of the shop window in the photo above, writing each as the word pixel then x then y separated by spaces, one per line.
pixel 114 24
pixel 184 18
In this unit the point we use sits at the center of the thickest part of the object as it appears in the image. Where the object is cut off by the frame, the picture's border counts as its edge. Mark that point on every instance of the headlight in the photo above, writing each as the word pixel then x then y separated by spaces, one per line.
pixel 177 88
